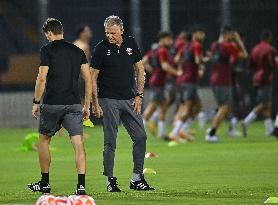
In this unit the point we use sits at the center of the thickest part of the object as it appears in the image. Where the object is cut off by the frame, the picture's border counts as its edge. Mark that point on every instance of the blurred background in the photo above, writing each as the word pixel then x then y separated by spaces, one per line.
pixel 21 37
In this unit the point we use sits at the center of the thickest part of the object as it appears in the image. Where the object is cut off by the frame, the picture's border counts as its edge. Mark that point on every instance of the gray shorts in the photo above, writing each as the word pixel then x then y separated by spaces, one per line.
pixel 223 94
pixel 157 94
pixel 52 117
pixel 264 94
pixel 170 91
pixel 187 91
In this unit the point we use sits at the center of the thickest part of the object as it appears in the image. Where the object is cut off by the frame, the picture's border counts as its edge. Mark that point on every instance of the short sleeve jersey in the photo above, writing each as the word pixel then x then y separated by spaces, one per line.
pixel 116 78
pixel 64 61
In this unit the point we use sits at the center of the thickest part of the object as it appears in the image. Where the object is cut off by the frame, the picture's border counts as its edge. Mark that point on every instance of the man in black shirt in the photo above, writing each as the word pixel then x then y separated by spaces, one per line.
pixel 61 63
pixel 118 69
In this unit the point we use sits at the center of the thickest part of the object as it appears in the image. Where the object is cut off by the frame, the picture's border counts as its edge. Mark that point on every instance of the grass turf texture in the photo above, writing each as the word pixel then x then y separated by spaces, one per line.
pixel 235 171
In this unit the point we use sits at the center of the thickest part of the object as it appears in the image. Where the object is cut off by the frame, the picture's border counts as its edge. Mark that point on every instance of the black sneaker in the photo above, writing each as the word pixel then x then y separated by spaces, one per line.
pixel 80 190
pixel 275 132
pixel 44 188
pixel 113 185
pixel 141 185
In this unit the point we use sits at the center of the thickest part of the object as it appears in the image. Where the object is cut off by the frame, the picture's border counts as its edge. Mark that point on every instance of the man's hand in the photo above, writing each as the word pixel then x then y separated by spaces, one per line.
pixel 137 105
pixel 36 111
pixel 86 112
pixel 97 110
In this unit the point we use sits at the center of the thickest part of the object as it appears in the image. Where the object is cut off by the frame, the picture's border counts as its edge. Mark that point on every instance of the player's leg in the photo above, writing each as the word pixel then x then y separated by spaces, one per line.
pixel 156 99
pixel 275 131
pixel 73 123
pixel 111 118
pixel 135 128
pixel 223 95
pixel 49 124
pixel 262 98
pixel 267 119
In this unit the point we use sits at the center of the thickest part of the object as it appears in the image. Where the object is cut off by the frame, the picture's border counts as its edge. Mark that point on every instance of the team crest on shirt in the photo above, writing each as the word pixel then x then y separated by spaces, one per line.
pixel 129 51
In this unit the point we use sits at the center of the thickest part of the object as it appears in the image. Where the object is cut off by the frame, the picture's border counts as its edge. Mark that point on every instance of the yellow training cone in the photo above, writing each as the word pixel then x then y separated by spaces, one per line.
pixel 149 171
pixel 88 123
pixel 272 200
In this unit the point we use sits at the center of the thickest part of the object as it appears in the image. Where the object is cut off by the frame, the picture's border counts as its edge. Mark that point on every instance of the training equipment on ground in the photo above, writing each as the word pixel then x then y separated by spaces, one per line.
pixel 151 155
pixel 149 171
pixel 271 200
pixel 88 123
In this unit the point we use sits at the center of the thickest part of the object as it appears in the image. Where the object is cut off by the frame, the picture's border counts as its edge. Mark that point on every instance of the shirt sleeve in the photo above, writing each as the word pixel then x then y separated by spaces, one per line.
pixel 97 58
pixel 83 58
pixel 162 55
pixel 45 58
pixel 271 58
pixel 136 52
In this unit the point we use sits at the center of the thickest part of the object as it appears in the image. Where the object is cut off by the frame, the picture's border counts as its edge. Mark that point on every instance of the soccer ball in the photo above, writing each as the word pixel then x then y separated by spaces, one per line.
pixel 83 200
pixel 63 200
pixel 46 200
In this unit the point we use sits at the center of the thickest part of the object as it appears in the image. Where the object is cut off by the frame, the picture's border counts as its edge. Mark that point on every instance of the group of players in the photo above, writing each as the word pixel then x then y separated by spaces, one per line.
pixel 175 68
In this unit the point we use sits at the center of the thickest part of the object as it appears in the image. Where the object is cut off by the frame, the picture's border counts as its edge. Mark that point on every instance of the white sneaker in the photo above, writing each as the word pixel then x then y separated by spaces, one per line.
pixel 212 139
pixel 234 133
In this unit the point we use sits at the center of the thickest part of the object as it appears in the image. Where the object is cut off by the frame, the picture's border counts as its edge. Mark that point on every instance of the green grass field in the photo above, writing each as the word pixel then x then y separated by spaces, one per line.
pixel 235 171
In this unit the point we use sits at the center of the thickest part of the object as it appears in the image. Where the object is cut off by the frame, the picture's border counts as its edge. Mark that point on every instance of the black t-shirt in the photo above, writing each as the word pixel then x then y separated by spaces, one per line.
pixel 64 61
pixel 116 78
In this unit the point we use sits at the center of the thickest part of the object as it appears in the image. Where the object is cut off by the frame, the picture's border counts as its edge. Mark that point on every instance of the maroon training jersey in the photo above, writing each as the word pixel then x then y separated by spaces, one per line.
pixel 190 68
pixel 262 59
pixel 225 55
pixel 156 58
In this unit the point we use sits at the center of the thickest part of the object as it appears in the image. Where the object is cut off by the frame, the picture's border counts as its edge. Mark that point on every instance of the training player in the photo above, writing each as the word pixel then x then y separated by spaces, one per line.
pixel 190 56
pixel 262 60
pixel 60 66
pixel 160 59
pixel 224 56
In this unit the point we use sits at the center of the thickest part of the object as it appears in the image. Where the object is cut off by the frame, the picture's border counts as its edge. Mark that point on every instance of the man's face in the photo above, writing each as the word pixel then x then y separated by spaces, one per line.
pixel 200 35
pixel 168 41
pixel 114 34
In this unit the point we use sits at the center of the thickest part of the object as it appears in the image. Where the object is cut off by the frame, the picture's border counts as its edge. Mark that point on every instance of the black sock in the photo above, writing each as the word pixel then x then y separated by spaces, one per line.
pixel 45 178
pixel 81 179
pixel 212 132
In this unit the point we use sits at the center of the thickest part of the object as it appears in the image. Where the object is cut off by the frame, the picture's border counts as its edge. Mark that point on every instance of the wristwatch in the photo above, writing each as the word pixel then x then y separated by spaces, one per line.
pixel 36 102
pixel 141 95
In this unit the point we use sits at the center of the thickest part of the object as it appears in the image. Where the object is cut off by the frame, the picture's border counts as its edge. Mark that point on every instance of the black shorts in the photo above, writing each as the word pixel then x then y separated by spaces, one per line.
pixel 187 92
pixel 53 117
pixel 264 94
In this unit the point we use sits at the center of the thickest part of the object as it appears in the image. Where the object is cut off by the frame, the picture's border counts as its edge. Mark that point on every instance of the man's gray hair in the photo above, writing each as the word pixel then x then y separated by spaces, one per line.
pixel 113 20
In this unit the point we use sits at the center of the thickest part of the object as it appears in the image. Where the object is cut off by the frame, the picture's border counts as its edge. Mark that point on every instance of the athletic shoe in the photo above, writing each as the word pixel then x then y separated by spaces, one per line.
pixel 275 132
pixel 243 129
pixel 141 185
pixel 80 190
pixel 212 139
pixel 44 188
pixel 112 185
pixel 152 127
pixel 233 133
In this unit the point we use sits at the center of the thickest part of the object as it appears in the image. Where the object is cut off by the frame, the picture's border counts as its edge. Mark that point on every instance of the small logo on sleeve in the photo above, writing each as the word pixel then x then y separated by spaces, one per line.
pixel 129 51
